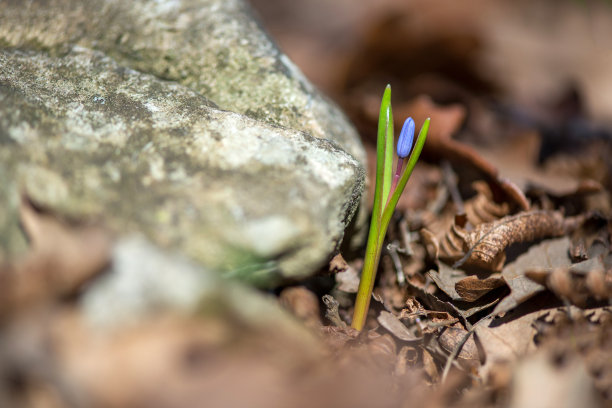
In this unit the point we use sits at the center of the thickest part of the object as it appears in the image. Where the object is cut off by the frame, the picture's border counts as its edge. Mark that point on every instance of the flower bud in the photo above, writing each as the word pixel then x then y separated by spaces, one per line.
pixel 406 137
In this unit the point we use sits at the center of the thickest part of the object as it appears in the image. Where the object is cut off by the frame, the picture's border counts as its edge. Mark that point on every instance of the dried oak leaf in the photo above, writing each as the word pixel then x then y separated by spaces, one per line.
pixel 445 121
pixel 478 210
pixel 482 208
pixel 459 309
pixel 506 341
pixel 472 288
pixel 62 257
pixel 459 285
pixel 551 253
pixel 484 246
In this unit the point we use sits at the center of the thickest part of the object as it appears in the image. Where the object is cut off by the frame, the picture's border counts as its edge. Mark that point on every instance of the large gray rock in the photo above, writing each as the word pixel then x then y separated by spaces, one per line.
pixel 179 119
pixel 88 137
pixel 214 47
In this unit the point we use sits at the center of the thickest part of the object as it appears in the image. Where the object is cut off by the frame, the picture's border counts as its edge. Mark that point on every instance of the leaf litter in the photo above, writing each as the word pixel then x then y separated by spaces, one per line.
pixel 492 288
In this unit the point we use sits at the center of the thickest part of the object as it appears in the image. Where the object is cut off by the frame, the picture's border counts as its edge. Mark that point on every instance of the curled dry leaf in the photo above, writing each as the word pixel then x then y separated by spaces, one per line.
pixel 430 367
pixel 460 310
pixel 61 258
pixel 484 246
pixel 482 208
pixel 442 237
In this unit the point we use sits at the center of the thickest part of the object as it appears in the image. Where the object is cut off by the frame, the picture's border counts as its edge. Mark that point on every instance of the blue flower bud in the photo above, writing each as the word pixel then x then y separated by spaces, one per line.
pixel 406 137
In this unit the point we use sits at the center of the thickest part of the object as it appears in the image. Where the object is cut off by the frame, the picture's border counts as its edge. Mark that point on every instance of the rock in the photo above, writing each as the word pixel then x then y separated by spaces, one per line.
pixel 90 138
pixel 214 47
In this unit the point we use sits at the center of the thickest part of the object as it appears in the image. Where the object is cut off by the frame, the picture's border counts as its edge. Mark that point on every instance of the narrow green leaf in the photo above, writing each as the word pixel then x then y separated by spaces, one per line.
pixel 372 257
pixel 414 157
pixel 381 153
pixel 389 148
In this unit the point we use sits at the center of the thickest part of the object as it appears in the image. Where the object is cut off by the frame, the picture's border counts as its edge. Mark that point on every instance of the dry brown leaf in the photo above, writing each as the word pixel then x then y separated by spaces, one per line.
pixel 382 346
pixel 445 278
pixel 394 325
pixel 407 357
pixel 62 257
pixel 472 288
pixel 506 341
pixel 461 310
pixel 449 339
pixel 430 367
pixel 485 245
pixel 442 236
pixel 551 253
pixel 337 337
pixel 482 208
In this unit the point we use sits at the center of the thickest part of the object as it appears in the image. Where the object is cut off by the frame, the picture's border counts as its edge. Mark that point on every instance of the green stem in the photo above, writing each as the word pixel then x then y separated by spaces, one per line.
pixel 366 283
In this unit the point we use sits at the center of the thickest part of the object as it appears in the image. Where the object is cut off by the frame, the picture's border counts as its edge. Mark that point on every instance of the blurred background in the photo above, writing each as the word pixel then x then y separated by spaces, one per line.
pixel 545 62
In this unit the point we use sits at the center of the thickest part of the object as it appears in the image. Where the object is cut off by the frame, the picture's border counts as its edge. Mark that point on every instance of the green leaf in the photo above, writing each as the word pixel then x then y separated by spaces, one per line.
pixel 414 157
pixel 384 119
pixel 368 272
pixel 388 159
